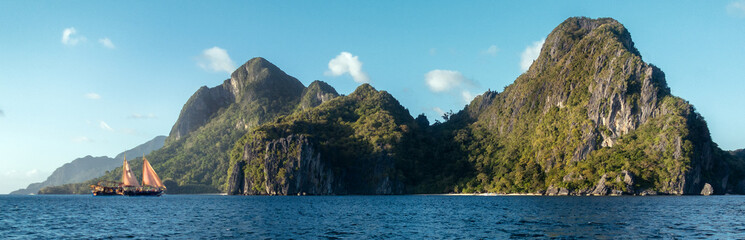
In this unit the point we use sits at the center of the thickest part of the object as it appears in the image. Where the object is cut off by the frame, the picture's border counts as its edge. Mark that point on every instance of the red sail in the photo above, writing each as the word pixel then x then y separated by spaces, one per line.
pixel 149 177
pixel 128 178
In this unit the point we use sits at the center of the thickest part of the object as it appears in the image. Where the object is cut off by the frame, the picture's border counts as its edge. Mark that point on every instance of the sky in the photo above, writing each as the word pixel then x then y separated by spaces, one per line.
pixel 96 78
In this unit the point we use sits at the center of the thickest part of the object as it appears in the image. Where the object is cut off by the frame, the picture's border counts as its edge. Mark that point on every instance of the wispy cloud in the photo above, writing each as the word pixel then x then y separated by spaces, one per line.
pixel 530 54
pixel 440 81
pixel 432 51
pixel 217 60
pixel 82 139
pixel 467 95
pixel 106 42
pixel 142 116
pixel 103 125
pixel 491 51
pixel 70 37
pixel 92 96
pixel 736 8
pixel 345 62
pixel 438 110
pixel 2 114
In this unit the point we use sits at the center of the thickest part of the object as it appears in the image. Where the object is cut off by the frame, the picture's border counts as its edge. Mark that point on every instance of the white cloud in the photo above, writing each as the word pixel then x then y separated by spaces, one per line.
pixel 82 139
pixel 345 62
pixel 438 110
pixel 216 59
pixel 69 37
pixel 530 54
pixel 491 51
pixel 106 42
pixel 2 114
pixel 93 96
pixel 142 116
pixel 103 125
pixel 736 8
pixel 449 81
pixel 445 80
pixel 432 51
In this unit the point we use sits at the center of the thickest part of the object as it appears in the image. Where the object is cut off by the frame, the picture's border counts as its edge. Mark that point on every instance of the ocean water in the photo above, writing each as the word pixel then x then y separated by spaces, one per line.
pixel 370 217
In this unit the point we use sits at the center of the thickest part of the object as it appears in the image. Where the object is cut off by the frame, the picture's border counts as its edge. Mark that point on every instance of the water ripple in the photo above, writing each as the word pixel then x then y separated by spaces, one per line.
pixel 371 217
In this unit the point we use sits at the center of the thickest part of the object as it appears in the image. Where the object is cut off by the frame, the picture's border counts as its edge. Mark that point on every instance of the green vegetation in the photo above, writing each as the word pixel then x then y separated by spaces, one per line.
pixel 551 123
pixel 350 132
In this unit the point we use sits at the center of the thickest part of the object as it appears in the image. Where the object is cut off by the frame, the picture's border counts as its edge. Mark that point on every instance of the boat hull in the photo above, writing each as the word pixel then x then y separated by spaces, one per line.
pixel 102 190
pixel 139 192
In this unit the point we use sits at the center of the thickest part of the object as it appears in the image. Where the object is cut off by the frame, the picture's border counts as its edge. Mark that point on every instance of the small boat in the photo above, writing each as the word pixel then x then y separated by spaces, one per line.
pixel 151 184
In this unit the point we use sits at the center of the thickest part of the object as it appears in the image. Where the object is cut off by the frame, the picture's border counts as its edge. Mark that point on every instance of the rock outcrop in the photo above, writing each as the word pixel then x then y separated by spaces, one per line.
pixel 707 190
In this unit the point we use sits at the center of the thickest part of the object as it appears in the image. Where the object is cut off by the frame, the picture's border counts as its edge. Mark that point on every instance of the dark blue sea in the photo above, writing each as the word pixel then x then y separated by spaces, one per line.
pixel 370 217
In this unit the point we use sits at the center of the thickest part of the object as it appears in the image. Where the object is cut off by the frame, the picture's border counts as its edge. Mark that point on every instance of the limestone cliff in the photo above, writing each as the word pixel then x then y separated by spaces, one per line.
pixel 587 111
pixel 291 166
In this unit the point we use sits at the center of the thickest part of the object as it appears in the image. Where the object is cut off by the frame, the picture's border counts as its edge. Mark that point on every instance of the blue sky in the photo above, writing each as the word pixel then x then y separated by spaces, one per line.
pixel 98 77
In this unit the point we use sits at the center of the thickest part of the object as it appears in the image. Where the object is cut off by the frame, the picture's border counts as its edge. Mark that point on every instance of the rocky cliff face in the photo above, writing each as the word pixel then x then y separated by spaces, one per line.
pixel 291 166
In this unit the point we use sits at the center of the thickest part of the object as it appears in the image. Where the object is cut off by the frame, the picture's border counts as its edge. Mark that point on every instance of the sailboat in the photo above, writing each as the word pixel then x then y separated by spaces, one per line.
pixel 151 184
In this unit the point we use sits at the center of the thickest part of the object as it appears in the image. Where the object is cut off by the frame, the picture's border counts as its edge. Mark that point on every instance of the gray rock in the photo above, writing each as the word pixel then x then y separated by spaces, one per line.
pixel 628 180
pixel 707 190
pixel 552 191
pixel 648 192
pixel 600 188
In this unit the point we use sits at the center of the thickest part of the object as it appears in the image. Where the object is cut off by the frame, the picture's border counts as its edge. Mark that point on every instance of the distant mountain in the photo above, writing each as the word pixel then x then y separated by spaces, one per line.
pixel 88 167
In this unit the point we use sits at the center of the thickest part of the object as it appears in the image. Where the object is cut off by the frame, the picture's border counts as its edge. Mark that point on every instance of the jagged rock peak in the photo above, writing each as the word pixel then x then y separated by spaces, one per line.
pixel 255 65
pixel 260 72
pixel 317 93
pixel 574 30
pixel 364 90
pixel 322 86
